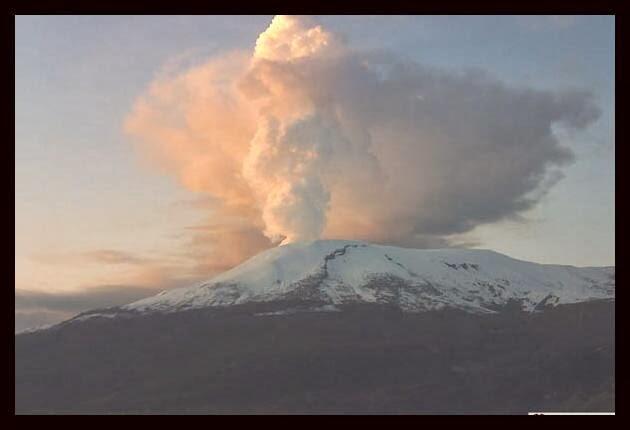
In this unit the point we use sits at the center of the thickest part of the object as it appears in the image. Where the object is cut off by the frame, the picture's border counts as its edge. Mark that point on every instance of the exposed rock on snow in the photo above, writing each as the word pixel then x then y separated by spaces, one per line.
pixel 333 272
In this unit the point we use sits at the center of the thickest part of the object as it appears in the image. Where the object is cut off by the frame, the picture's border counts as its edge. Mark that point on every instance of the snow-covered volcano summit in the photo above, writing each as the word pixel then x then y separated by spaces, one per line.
pixel 324 274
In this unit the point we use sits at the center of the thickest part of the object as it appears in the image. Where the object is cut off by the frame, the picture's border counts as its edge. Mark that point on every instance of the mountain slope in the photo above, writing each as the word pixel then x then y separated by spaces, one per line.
pixel 342 272
pixel 339 327
pixel 367 359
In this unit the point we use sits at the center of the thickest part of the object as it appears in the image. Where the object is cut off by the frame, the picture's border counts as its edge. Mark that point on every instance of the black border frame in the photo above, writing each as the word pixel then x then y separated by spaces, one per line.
pixel 493 7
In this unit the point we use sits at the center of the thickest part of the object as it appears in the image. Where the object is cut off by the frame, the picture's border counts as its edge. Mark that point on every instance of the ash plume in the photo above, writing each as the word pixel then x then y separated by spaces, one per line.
pixel 304 137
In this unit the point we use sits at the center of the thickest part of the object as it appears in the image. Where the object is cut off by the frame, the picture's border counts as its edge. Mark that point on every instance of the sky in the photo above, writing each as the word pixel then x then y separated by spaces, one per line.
pixel 122 189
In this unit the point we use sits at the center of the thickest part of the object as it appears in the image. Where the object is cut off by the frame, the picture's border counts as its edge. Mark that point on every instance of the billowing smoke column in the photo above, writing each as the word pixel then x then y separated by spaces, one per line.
pixel 297 136
pixel 306 138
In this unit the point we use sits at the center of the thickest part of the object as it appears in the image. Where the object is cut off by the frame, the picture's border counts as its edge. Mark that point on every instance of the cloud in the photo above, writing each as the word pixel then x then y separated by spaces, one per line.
pixel 305 137
pixel 36 308
pixel 110 256
pixel 230 243
pixel 98 256
pixel 32 319
pixel 145 277
pixel 78 301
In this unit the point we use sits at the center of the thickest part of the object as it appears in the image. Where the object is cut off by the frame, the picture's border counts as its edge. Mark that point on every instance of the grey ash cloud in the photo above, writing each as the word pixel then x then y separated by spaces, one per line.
pixel 307 137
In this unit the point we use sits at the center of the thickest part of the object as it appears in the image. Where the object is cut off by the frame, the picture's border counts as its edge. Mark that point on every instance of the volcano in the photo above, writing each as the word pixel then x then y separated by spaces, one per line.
pixel 339 327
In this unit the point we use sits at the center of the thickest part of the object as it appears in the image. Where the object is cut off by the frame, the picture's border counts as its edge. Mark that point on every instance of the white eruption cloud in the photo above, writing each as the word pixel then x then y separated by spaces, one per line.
pixel 306 138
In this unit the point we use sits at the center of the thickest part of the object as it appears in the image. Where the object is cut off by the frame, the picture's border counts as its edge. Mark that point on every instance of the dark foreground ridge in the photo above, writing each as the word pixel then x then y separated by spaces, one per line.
pixel 364 359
